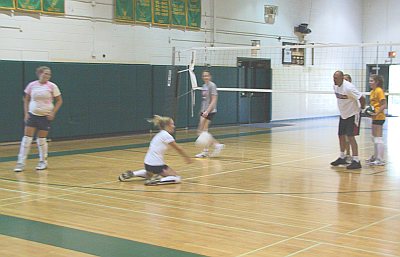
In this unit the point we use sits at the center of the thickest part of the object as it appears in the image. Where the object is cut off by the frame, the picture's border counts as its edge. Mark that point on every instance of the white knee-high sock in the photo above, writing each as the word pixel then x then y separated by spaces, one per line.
pixel 140 173
pixel 380 148
pixel 170 179
pixel 24 149
pixel 43 148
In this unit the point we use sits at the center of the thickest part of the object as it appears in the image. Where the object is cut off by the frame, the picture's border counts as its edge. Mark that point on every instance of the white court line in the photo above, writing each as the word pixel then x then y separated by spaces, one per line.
pixel 14 197
pixel 229 209
pixel 374 223
pixel 171 217
pixel 184 165
pixel 282 241
pixel 355 249
pixel 155 198
pixel 56 188
pixel 295 196
pixel 303 250
pixel 195 210
pixel 317 242
pixel 362 237
pixel 260 166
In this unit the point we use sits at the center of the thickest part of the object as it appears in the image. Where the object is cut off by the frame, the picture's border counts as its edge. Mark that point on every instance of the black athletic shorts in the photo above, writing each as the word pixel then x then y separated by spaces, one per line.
pixel 348 127
pixel 39 122
pixel 378 122
pixel 155 169
pixel 210 116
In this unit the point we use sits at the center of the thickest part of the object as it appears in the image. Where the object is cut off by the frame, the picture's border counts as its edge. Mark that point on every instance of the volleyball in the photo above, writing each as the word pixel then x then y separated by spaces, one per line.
pixel 369 111
pixel 204 140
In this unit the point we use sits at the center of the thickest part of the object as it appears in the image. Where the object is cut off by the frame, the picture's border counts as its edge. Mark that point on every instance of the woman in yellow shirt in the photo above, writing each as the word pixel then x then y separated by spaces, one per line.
pixel 378 101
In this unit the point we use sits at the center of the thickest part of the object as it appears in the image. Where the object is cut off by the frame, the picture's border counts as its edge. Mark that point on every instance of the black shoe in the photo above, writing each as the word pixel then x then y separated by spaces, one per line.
pixel 339 161
pixel 354 165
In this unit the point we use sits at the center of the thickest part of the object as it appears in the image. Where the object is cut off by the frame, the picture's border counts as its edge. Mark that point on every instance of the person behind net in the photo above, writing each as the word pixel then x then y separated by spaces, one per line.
pixel 207 113
pixel 156 172
pixel 39 111
pixel 349 100
pixel 348 155
pixel 378 101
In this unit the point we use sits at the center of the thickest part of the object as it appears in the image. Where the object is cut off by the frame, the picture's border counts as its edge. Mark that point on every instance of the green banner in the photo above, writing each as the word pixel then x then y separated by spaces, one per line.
pixel 124 10
pixel 143 11
pixel 194 13
pixel 29 5
pixel 53 6
pixel 178 12
pixel 161 12
pixel 7 4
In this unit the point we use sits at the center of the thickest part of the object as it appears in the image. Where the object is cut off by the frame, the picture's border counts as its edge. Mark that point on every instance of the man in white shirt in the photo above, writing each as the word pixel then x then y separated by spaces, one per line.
pixel 349 100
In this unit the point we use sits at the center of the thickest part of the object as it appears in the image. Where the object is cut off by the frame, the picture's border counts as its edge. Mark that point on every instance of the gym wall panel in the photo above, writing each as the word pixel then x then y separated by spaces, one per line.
pixel 184 98
pixel 11 101
pixel 141 97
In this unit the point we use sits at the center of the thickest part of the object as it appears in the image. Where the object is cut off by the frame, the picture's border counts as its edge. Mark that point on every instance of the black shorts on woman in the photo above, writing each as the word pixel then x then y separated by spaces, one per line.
pixel 210 116
pixel 38 122
pixel 155 169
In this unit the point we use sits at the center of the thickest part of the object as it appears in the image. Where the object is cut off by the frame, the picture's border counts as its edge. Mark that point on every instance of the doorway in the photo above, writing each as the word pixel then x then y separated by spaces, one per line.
pixel 254 73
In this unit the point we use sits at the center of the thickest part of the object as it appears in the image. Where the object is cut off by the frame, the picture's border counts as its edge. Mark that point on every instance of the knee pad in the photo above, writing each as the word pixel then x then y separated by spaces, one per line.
pixel 41 140
pixel 378 140
pixel 26 141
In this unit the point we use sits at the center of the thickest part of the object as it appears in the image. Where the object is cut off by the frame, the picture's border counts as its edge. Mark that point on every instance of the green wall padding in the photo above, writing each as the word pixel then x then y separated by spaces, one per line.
pixel 111 98
pixel 11 101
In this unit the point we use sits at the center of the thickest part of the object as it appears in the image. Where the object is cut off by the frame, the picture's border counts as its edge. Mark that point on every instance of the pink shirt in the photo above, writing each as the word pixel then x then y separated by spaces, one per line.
pixel 42 96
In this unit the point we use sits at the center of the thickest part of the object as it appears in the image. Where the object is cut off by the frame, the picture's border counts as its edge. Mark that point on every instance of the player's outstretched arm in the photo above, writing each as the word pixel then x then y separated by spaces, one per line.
pixel 181 151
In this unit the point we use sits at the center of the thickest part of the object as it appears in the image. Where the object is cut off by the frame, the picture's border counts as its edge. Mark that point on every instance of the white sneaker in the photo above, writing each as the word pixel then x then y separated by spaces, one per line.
pixel 125 176
pixel 42 165
pixel 217 150
pixel 19 167
pixel 349 158
pixel 377 163
pixel 203 154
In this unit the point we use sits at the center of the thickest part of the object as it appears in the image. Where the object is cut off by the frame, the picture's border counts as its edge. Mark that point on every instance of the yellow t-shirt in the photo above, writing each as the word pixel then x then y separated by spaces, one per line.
pixel 376 96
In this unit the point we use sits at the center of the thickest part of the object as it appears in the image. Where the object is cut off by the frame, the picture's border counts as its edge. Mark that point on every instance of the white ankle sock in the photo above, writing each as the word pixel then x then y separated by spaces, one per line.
pixel 140 173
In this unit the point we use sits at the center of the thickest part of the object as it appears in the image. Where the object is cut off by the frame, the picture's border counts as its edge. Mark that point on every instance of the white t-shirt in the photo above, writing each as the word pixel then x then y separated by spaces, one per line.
pixel 42 96
pixel 158 146
pixel 347 98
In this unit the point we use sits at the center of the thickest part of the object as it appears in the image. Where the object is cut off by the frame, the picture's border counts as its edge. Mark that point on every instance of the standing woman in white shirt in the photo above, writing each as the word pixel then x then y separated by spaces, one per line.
pixel 39 111
pixel 154 163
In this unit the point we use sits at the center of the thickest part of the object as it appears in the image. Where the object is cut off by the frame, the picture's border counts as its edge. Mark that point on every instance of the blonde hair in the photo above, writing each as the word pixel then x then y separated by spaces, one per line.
pixel 348 77
pixel 41 69
pixel 160 122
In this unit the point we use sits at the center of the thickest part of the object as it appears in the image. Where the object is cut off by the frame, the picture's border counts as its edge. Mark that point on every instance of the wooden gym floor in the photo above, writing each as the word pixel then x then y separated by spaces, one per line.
pixel 271 192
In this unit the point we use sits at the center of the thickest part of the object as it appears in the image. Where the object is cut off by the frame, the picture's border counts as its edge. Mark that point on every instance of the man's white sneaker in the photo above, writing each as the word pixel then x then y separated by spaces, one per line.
pixel 42 165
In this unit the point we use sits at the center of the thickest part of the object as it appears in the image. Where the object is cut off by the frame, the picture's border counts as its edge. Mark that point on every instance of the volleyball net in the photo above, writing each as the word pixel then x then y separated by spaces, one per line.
pixel 297 74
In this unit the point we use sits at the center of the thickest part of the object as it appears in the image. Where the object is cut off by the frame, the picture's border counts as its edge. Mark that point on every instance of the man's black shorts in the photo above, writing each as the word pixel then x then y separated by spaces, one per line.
pixel 350 126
